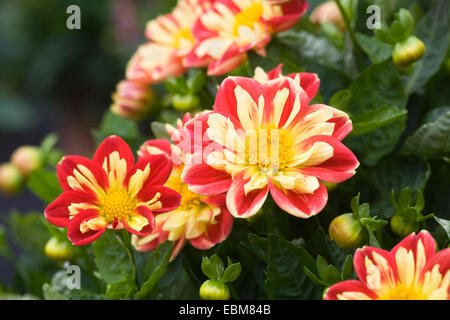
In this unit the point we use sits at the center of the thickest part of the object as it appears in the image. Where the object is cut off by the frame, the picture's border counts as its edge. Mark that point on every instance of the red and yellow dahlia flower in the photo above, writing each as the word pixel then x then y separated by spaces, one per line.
pixel 170 40
pixel 202 220
pixel 412 270
pixel 266 136
pixel 111 191
pixel 230 28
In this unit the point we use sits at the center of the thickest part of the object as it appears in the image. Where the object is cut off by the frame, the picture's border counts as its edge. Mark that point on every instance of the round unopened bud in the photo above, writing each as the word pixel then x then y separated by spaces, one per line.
pixel 401 227
pixel 328 12
pixel 213 290
pixel 11 179
pixel 27 159
pixel 346 231
pixel 58 250
pixel 407 52
pixel 186 102
pixel 132 100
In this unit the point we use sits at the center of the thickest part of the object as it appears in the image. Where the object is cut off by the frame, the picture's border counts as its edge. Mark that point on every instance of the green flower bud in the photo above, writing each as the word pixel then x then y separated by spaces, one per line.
pixel 407 52
pixel 11 179
pixel 27 159
pixel 186 102
pixel 58 250
pixel 401 227
pixel 346 231
pixel 213 290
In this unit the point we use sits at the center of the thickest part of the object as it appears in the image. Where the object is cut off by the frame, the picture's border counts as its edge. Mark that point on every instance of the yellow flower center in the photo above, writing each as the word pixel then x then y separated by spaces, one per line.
pixel 248 17
pixel 270 149
pixel 402 292
pixel 117 203
pixel 189 199
pixel 183 38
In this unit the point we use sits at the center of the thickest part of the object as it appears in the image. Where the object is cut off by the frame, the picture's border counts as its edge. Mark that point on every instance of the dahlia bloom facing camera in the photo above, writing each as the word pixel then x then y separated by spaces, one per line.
pixel 171 39
pixel 111 191
pixel 265 137
pixel 412 270
pixel 203 221
pixel 226 31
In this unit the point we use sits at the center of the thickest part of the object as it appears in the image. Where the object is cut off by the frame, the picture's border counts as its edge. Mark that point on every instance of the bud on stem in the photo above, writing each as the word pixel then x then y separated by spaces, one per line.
pixel 11 179
pixel 346 231
pixel 213 290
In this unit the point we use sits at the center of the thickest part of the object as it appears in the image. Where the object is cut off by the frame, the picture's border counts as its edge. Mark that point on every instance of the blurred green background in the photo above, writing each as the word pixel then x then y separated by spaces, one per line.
pixel 53 79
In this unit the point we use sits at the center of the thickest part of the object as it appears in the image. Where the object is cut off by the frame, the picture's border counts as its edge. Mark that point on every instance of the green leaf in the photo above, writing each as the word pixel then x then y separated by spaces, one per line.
pixel 45 185
pixel 4 247
pixel 370 148
pixel 115 264
pixel 285 275
pixel 176 284
pixel 29 224
pixel 113 124
pixel 373 224
pixel 376 86
pixel 51 293
pixel 375 118
pixel 322 267
pixel 433 30
pixel 159 130
pixel 395 173
pixel 341 99
pixel 445 224
pixel 432 140
pixel 347 268
pixel 402 26
pixel 213 267
pixel 156 268
pixel 313 277
pixel 231 273
pixel 196 80
pixel 374 48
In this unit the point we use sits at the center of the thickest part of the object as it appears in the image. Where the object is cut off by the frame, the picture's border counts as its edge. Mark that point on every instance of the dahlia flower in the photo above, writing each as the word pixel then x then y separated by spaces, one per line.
pixel 111 191
pixel 226 31
pixel 265 137
pixel 412 270
pixel 170 40
pixel 202 220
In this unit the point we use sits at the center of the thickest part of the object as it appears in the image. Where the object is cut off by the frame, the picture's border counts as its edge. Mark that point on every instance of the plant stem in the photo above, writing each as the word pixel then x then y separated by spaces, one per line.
pixel 352 34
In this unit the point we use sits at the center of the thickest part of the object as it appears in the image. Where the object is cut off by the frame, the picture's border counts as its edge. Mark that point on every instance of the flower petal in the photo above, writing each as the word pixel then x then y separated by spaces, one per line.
pixel 169 199
pixel 241 205
pixel 376 268
pixel 74 233
pixel 338 168
pixel 299 204
pixel 412 254
pixel 215 233
pixel 349 290
pixel 142 223
pixel 82 174
pixel 203 179
pixel 59 213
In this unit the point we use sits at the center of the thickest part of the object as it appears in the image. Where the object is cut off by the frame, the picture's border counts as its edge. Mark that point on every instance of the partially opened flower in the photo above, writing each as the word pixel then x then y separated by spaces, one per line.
pixel 265 137
pixel 202 220
pixel 230 28
pixel 111 191
pixel 412 270
pixel 170 40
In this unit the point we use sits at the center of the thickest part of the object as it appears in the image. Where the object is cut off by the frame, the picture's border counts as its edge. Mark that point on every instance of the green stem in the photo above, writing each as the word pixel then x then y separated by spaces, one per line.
pixel 234 293
pixel 356 47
